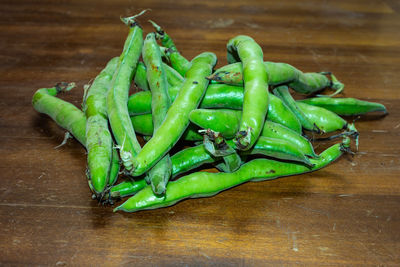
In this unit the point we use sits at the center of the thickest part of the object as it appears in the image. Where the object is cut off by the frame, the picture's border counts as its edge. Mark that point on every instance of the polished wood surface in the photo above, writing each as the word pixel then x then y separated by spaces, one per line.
pixel 345 214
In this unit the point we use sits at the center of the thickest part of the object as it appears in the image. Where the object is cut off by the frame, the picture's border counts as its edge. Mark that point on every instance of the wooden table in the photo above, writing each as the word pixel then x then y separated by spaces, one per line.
pixel 345 214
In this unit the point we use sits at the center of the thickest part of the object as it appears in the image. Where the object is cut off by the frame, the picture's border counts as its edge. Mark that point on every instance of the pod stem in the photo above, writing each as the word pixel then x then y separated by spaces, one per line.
pixel 64 86
pixel 130 21
pixel 215 144
pixel 214 77
pixel 243 139
pixel 159 31
pixel 335 85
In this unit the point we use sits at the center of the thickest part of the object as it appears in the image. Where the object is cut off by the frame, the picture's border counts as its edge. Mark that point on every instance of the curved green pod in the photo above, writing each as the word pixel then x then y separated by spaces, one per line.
pixel 224 121
pixel 69 117
pixel 255 98
pixel 178 62
pixel 325 120
pixel 283 93
pixel 193 157
pixel 143 124
pixel 276 130
pixel 182 161
pixel 276 148
pixel 205 184
pixel 220 96
pixel 63 113
pixel 118 94
pixel 279 112
pixel 99 141
pixel 173 77
pixel 216 96
pixel 160 173
pixel 177 118
pixel 279 74
pixel 126 188
pixel 345 106
pixel 140 78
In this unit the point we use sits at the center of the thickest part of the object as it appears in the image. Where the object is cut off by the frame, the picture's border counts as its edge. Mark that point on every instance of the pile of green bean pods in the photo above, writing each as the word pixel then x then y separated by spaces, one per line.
pixel 241 119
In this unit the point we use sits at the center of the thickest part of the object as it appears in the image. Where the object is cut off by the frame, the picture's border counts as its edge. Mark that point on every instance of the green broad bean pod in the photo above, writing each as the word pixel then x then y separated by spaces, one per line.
pixel 220 96
pixel 117 98
pixel 193 157
pixel 160 173
pixel 345 106
pixel 68 117
pixel 276 148
pixel 140 78
pixel 216 96
pixel 99 141
pixel 255 99
pixel 226 122
pixel 177 118
pixel 276 130
pixel 205 184
pixel 325 120
pixel 182 161
pixel 279 74
pixel 143 124
pixel 283 93
pixel 178 62
pixel 173 77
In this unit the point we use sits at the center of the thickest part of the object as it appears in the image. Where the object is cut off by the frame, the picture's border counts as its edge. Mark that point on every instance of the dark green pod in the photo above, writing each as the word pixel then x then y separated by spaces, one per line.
pixel 325 120
pixel 276 130
pixel 283 93
pixel 345 106
pixel 143 124
pixel 126 188
pixel 224 121
pixel 277 148
pixel 177 118
pixel 279 74
pixel 205 184
pixel 69 117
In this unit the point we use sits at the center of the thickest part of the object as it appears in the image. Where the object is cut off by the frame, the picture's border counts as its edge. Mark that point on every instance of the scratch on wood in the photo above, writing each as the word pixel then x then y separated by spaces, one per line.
pixel 313 210
pixel 294 238
pixel 205 255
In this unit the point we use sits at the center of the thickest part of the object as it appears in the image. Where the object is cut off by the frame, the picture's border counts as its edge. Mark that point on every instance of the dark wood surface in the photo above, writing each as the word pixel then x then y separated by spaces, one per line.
pixel 347 213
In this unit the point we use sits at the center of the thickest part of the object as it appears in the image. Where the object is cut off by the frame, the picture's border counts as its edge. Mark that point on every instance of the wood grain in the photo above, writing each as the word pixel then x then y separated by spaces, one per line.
pixel 345 214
